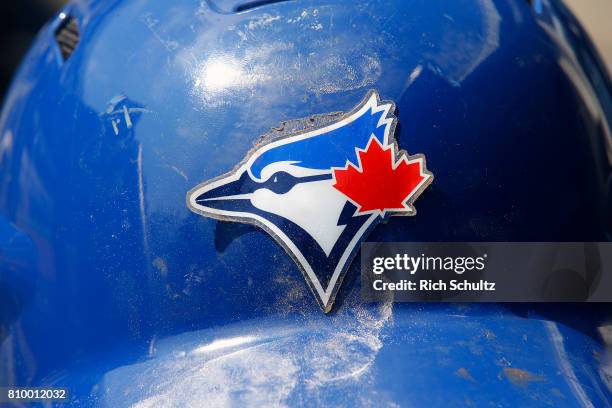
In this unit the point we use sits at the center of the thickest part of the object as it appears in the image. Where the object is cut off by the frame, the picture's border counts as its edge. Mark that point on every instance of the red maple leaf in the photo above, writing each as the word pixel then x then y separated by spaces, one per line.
pixel 381 183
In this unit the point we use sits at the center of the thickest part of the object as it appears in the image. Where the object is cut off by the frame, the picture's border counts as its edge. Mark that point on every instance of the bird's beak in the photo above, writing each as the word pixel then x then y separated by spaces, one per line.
pixel 222 194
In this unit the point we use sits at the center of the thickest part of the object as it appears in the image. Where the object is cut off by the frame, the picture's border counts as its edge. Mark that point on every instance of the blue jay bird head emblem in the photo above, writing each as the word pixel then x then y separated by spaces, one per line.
pixel 319 192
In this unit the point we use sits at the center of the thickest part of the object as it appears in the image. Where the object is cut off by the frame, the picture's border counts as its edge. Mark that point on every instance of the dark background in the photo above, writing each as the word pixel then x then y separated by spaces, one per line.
pixel 21 20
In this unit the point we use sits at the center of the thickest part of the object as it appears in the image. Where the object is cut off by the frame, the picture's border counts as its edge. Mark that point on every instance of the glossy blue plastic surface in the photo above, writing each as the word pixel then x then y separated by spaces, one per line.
pixel 111 287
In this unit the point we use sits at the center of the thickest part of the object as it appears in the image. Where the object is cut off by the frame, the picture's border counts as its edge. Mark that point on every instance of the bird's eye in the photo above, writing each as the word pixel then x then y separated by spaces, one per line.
pixel 281 182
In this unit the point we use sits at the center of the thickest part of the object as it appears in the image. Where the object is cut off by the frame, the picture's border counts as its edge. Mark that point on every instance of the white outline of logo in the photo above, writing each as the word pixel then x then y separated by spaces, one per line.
pixel 325 296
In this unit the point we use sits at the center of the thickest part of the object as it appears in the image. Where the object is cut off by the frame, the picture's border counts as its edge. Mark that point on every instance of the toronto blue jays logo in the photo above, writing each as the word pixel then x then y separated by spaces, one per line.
pixel 319 192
